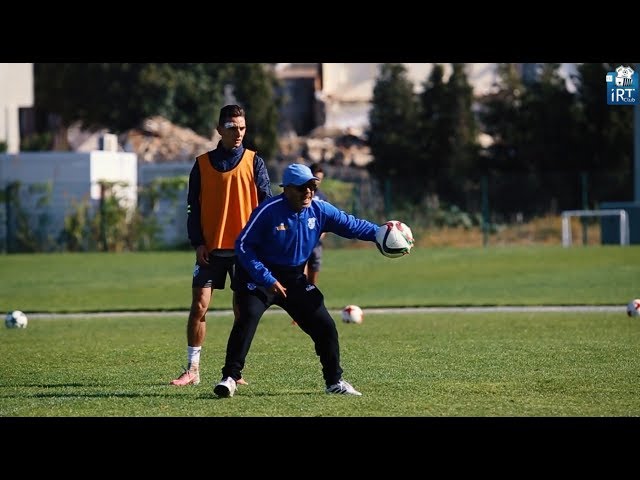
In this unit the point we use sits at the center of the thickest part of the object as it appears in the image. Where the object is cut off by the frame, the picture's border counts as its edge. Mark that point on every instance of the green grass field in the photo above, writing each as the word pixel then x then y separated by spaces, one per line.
pixel 607 275
pixel 439 364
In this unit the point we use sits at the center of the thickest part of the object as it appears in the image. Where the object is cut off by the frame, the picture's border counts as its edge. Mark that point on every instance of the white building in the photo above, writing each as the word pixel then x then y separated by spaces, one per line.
pixel 16 91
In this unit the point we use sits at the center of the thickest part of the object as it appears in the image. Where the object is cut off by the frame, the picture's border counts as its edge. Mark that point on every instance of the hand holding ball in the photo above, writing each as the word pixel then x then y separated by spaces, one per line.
pixel 394 239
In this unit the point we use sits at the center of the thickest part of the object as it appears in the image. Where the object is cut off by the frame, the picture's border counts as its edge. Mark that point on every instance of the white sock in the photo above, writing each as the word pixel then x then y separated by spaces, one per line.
pixel 193 356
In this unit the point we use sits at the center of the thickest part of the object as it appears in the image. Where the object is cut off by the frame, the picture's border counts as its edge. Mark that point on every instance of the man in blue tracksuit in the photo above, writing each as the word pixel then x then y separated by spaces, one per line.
pixel 271 252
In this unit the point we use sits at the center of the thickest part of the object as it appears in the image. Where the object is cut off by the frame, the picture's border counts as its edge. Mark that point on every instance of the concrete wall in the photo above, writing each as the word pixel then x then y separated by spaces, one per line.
pixel 16 91
pixel 171 215
pixel 73 178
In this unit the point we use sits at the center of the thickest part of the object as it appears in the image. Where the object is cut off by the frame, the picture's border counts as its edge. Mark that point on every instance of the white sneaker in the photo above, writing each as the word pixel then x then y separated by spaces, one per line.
pixel 342 388
pixel 226 388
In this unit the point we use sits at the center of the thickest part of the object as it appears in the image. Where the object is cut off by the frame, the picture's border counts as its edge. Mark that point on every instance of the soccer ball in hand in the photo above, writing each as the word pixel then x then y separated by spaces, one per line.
pixel 394 239
pixel 352 314
pixel 633 308
pixel 16 319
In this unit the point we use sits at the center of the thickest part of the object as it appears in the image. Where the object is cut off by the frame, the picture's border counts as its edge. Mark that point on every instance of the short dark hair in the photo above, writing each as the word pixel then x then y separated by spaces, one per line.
pixel 316 167
pixel 229 111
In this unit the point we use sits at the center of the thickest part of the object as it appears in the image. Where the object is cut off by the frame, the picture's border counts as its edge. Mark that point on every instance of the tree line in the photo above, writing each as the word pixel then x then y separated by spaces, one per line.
pixel 547 145
pixel 542 136
pixel 120 96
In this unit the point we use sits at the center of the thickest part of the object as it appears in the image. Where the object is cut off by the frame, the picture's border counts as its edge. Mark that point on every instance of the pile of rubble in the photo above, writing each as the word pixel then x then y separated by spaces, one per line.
pixel 334 147
pixel 160 141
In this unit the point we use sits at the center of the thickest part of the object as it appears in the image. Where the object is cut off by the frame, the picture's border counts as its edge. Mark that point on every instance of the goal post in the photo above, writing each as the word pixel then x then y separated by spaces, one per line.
pixel 566 223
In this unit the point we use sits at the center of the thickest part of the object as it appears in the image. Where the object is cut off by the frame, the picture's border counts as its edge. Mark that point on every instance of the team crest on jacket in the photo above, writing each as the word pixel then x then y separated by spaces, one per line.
pixel 311 223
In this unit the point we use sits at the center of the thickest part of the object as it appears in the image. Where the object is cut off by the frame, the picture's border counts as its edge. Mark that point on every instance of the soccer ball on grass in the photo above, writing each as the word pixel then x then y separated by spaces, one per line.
pixel 633 308
pixel 16 319
pixel 352 314
pixel 394 239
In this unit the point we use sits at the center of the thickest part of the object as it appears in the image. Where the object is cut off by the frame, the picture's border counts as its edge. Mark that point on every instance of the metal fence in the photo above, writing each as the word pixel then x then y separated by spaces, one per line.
pixel 58 216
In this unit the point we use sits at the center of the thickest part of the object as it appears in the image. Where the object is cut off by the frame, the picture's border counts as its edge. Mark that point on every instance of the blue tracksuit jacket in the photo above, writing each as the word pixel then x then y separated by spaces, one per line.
pixel 279 236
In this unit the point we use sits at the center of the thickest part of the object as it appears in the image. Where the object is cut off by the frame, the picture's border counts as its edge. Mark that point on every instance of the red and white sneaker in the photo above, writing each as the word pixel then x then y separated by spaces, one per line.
pixel 188 377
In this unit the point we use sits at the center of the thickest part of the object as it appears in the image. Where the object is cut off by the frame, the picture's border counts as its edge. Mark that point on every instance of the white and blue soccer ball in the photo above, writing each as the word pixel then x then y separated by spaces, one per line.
pixel 352 314
pixel 633 308
pixel 394 239
pixel 16 319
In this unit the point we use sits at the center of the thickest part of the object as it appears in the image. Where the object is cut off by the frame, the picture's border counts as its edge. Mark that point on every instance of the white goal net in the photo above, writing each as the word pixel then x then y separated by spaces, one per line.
pixel 566 223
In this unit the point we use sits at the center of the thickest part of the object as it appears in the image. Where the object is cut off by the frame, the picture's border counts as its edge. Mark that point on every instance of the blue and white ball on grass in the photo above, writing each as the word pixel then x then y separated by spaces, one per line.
pixel 16 319
pixel 394 239
pixel 633 308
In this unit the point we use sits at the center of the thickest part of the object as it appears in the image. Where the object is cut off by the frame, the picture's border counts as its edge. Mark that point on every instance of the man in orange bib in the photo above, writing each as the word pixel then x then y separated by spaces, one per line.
pixel 225 185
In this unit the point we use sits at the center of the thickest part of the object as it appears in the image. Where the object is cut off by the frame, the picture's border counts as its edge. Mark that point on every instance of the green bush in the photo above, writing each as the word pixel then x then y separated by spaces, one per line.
pixel 37 142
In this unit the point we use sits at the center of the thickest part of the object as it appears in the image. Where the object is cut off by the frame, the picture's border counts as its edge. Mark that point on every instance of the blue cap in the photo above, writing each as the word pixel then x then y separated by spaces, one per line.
pixel 297 174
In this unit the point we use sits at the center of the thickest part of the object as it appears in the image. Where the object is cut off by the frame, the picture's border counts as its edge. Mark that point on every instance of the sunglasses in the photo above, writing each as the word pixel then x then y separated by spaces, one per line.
pixel 303 188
